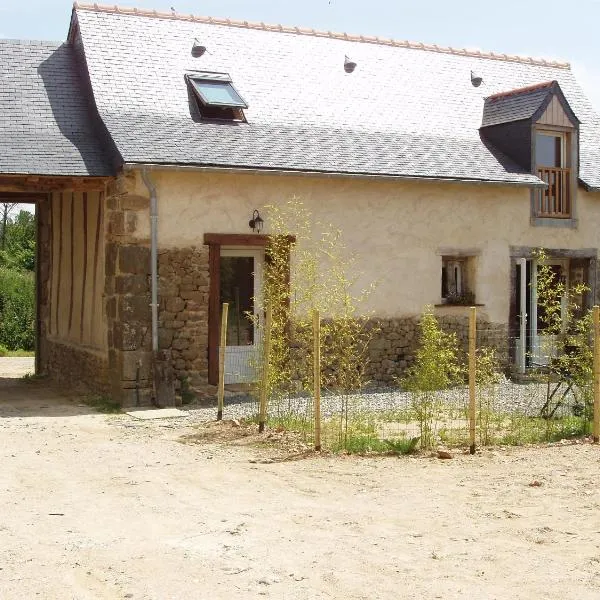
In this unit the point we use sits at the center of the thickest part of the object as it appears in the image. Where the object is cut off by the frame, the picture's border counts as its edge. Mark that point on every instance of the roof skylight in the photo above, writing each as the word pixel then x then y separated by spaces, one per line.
pixel 216 89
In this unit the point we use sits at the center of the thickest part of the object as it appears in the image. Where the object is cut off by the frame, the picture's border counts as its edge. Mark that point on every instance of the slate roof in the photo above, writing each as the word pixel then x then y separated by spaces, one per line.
pixel 45 126
pixel 408 110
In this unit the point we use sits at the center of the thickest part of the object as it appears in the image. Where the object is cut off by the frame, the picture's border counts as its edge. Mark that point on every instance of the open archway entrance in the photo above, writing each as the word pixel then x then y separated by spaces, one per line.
pixel 19 275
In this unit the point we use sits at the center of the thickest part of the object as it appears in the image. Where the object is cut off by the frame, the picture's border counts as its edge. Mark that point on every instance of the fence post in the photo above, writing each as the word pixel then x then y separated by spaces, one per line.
pixel 221 389
pixel 317 376
pixel 262 414
pixel 472 373
pixel 596 425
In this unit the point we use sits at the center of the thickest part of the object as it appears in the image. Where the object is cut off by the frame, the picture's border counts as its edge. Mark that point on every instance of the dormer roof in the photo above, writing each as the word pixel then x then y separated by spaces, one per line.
pixel 525 103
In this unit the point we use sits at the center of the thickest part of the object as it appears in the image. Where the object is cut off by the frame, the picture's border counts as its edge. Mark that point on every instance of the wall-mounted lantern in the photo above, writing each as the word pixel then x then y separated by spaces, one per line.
pixel 256 222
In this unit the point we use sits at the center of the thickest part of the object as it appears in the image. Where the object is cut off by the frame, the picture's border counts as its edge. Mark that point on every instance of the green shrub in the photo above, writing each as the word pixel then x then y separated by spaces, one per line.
pixel 436 368
pixel 17 309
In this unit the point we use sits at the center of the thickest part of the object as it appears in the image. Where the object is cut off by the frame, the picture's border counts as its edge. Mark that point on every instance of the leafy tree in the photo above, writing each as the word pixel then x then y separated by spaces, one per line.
pixel 18 237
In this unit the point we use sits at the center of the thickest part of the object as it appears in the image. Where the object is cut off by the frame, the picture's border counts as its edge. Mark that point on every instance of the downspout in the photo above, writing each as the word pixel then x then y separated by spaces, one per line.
pixel 153 257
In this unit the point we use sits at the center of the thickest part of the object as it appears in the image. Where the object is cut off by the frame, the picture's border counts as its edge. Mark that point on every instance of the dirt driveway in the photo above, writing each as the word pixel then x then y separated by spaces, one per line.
pixel 107 506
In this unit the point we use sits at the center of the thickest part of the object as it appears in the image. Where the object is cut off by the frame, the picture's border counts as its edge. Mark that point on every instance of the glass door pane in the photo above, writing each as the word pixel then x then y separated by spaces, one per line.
pixel 237 289
pixel 548 150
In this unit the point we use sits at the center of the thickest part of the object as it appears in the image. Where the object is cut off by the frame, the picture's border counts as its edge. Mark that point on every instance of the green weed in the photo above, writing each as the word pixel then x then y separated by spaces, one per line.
pixel 103 404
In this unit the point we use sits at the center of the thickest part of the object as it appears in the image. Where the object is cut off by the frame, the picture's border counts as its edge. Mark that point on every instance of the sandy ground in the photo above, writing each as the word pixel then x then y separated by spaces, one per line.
pixel 107 506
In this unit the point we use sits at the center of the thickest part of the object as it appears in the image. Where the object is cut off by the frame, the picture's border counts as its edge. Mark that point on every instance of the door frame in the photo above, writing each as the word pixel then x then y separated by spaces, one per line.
pixel 591 279
pixel 215 241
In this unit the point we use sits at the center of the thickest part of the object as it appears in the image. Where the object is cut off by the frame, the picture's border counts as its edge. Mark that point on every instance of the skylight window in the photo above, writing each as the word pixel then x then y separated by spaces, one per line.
pixel 216 98
pixel 215 89
pixel 217 93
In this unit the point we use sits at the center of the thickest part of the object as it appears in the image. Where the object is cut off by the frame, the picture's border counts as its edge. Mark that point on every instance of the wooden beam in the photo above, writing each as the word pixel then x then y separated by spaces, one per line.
pixel 39 184
pixel 23 197
pixel 239 239
pixel 236 239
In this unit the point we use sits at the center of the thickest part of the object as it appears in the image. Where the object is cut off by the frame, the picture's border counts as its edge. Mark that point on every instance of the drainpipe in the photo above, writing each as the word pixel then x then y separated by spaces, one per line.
pixel 523 316
pixel 153 256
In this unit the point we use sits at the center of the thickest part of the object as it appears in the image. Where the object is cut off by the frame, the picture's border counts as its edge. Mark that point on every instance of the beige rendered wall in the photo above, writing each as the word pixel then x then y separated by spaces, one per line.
pixel 398 229
pixel 77 270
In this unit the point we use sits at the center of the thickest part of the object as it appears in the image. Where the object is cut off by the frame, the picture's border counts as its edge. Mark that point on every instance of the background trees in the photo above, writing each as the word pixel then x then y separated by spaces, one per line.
pixel 17 278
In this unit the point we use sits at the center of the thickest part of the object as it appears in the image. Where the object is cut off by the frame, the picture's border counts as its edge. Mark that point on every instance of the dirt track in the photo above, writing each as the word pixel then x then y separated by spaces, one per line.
pixel 105 506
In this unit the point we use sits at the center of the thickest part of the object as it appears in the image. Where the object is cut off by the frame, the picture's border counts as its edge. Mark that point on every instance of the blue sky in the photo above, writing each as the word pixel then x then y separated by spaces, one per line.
pixel 548 28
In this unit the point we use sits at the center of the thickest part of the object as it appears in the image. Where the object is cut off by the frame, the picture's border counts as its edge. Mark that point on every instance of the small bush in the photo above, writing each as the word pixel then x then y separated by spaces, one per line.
pixel 436 368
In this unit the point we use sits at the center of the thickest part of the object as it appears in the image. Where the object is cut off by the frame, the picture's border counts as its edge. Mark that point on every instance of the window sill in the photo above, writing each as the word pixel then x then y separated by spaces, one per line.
pixel 549 222
pixel 453 305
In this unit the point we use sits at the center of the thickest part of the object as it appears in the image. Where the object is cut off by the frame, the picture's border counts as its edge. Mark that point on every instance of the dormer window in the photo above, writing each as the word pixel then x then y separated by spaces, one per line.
pixel 217 97
pixel 537 129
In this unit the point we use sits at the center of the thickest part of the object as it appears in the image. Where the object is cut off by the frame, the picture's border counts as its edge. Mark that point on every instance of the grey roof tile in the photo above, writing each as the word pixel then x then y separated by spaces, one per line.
pixel 45 125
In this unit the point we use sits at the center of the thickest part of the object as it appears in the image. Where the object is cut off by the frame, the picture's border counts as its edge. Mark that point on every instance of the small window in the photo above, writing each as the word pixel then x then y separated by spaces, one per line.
pixel 216 96
pixel 549 150
pixel 457 275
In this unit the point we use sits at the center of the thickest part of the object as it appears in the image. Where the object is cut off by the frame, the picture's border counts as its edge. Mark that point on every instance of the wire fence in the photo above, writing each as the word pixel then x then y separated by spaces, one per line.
pixel 552 393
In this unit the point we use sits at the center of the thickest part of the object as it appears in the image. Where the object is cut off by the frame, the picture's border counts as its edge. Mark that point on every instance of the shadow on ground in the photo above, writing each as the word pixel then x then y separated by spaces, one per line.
pixel 22 395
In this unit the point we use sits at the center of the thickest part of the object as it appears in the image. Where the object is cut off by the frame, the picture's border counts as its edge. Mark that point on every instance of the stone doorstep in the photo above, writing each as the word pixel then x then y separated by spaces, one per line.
pixel 157 413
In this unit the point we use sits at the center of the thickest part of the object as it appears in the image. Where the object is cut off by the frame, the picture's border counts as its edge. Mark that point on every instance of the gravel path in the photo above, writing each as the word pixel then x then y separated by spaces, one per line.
pixel 507 397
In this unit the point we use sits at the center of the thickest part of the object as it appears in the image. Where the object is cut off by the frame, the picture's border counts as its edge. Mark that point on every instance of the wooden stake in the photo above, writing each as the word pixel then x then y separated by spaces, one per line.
pixel 317 376
pixel 221 388
pixel 596 425
pixel 262 415
pixel 472 373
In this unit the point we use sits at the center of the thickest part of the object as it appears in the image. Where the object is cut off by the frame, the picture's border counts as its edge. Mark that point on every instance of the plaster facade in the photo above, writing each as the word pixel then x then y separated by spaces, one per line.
pixel 399 230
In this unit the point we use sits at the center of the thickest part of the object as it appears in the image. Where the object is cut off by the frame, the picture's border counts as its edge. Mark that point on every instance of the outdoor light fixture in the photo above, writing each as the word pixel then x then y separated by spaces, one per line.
pixel 256 223
pixel 197 49
pixel 476 80
pixel 349 65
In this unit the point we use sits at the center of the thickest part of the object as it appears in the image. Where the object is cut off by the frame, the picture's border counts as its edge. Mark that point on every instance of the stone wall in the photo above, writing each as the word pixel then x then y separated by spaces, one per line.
pixel 76 368
pixel 183 311
pixel 127 294
pixel 393 346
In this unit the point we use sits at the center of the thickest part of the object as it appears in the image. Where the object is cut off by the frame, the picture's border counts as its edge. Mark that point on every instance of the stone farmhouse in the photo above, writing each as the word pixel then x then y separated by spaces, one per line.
pixel 148 141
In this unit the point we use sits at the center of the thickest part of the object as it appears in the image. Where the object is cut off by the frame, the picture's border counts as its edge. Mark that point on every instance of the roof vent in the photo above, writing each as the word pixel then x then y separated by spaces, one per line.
pixel 349 65
pixel 476 80
pixel 197 49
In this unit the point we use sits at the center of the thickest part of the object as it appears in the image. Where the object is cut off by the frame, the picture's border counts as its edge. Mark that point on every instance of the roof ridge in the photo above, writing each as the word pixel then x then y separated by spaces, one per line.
pixel 523 90
pixel 141 12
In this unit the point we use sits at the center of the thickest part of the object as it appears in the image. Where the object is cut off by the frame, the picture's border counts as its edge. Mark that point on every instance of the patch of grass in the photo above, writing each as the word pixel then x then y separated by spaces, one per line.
pixel 16 353
pixel 286 422
pixel 103 404
pixel 519 430
pixel 187 394
pixel 403 446
pixel 5 352
pixel 361 443
pixel 32 377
